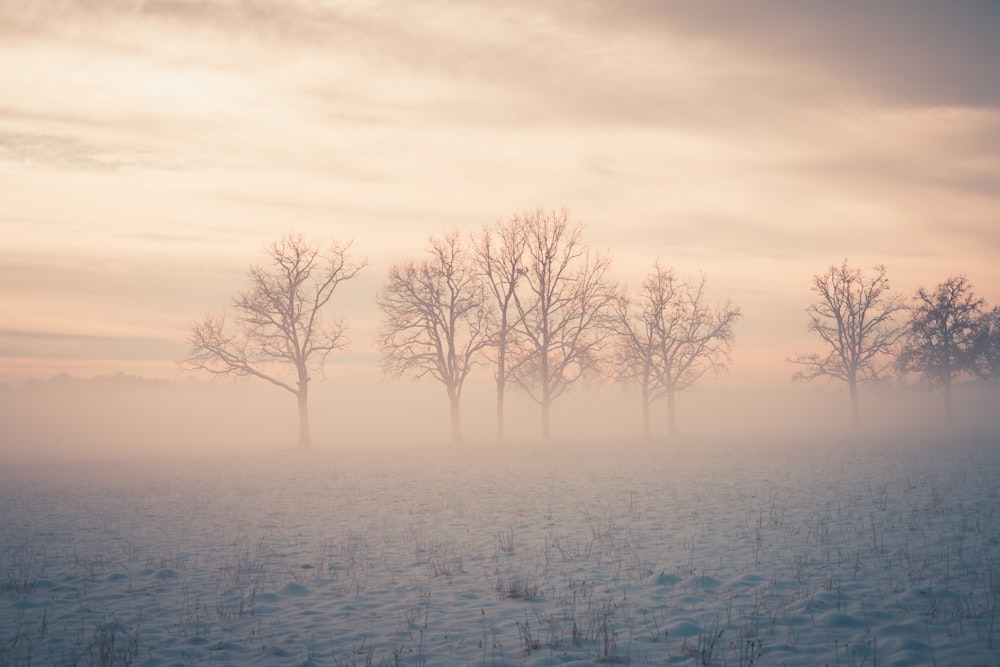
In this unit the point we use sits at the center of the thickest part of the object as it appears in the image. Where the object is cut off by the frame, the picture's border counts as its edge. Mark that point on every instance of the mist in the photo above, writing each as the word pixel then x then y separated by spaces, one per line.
pixel 67 418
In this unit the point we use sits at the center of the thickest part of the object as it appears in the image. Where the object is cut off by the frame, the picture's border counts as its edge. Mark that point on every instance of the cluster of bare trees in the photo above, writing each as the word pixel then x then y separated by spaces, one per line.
pixel 528 297
pixel 669 337
pixel 869 331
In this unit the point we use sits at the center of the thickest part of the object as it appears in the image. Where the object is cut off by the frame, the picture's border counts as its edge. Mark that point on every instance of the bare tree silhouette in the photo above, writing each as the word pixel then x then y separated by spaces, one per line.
pixel 638 334
pixel 988 364
pixel 564 311
pixel 434 319
pixel 945 336
pixel 499 254
pixel 671 339
pixel 278 321
pixel 854 319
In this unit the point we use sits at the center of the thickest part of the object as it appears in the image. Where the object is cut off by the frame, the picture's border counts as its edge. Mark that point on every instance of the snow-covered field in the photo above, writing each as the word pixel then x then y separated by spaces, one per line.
pixel 694 553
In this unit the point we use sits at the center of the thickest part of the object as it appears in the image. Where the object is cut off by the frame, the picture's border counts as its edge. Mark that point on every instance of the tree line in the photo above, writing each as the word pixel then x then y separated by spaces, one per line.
pixel 528 297
pixel 868 331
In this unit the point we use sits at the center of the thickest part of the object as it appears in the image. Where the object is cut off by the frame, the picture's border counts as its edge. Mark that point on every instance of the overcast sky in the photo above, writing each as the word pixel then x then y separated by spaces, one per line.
pixel 148 150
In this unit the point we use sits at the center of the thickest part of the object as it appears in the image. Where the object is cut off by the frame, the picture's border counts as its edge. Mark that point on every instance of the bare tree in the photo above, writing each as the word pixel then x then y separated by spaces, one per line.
pixel 564 309
pixel 673 340
pixel 435 319
pixel 637 327
pixel 854 319
pixel 278 321
pixel 988 358
pixel 499 254
pixel 944 336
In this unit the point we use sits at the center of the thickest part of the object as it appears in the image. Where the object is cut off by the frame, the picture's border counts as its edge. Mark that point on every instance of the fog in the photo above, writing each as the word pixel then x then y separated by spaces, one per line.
pixel 68 418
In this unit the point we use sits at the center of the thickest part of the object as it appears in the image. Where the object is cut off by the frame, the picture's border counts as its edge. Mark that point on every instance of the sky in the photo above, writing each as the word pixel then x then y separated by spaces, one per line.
pixel 150 149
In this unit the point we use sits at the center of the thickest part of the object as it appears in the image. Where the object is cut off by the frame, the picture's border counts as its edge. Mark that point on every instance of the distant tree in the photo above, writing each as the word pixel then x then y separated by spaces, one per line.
pixel 278 323
pixel 563 310
pixel 854 318
pixel 434 319
pixel 671 340
pixel 988 364
pixel 499 252
pixel 945 336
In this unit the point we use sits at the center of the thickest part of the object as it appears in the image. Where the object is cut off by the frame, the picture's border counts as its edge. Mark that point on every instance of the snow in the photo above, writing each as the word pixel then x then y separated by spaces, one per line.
pixel 845 552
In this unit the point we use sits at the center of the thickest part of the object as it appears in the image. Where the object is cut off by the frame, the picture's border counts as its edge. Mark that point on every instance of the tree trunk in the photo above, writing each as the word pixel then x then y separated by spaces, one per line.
pixel 546 432
pixel 501 381
pixel 671 412
pixel 546 388
pixel 305 440
pixel 947 403
pixel 500 391
pixel 501 374
pixel 645 409
pixel 456 421
pixel 855 411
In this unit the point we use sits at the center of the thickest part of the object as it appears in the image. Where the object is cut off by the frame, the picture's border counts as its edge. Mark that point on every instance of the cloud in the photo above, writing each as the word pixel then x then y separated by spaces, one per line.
pixel 435 63
pixel 89 296
pixel 18 343
pixel 909 52
pixel 60 152
pixel 637 62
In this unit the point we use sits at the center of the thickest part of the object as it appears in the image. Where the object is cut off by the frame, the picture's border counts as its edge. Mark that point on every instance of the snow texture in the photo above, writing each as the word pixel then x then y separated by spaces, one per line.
pixel 693 553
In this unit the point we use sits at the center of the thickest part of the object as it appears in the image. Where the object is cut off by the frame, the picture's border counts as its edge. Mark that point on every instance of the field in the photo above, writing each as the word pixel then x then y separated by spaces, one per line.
pixel 852 553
